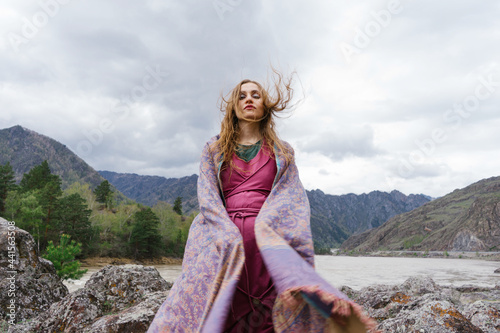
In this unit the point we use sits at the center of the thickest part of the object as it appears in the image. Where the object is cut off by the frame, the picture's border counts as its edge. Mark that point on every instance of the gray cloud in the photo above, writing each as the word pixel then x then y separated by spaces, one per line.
pixel 341 143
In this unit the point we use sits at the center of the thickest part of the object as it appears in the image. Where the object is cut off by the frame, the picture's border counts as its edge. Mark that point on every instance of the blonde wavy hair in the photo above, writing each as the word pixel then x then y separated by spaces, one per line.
pixel 273 103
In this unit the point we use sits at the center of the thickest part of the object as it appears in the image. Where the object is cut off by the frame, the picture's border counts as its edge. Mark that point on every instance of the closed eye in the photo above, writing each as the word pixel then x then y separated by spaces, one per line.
pixel 255 95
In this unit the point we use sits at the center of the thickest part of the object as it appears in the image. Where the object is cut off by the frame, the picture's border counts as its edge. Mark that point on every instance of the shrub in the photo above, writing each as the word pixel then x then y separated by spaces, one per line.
pixel 63 258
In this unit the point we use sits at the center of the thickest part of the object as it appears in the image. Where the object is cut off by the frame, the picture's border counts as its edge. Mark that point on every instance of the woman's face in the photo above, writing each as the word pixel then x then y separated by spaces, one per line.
pixel 250 103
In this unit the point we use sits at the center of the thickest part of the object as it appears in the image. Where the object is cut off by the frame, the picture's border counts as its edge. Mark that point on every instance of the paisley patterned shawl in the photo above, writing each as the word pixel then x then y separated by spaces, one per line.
pixel 200 298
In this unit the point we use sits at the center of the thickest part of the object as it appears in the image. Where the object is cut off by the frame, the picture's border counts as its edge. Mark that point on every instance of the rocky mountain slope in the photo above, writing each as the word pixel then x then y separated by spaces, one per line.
pixel 335 217
pixel 24 149
pixel 464 220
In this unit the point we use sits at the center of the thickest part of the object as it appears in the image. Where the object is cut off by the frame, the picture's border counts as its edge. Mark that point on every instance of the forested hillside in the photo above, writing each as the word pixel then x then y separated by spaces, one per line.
pixel 90 217
pixel 148 190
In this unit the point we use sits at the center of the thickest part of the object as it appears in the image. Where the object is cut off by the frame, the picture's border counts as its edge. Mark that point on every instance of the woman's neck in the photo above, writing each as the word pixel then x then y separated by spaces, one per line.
pixel 249 133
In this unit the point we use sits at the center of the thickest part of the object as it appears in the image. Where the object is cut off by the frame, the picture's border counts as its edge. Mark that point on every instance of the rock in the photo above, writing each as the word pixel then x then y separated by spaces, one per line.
pixel 469 288
pixel 497 270
pixel 420 285
pixel 483 315
pixel 420 305
pixel 383 302
pixel 114 299
pixel 125 285
pixel 491 296
pixel 433 316
pixel 134 319
pixel 27 281
pixel 466 240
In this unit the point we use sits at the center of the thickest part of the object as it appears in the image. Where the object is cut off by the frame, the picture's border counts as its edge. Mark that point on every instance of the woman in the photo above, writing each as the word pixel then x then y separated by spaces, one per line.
pixel 249 259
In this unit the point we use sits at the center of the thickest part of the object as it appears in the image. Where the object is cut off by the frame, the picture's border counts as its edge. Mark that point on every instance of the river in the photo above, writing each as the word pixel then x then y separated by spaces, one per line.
pixel 359 272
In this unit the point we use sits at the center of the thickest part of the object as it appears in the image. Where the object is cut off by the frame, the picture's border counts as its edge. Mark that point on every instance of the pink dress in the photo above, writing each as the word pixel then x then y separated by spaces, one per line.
pixel 245 189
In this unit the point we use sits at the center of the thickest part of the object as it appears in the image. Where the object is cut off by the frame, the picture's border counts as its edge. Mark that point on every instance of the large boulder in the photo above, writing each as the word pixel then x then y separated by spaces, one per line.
pixel 429 316
pixel 420 305
pixel 137 318
pixel 483 315
pixel 115 299
pixel 28 282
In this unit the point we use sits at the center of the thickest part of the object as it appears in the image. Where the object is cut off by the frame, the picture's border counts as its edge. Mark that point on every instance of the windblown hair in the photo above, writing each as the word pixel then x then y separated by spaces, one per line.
pixel 230 130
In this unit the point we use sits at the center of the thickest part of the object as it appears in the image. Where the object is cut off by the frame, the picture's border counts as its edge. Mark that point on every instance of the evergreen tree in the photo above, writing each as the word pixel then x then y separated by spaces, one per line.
pixel 47 187
pixel 104 194
pixel 49 196
pixel 38 177
pixel 63 258
pixel 178 205
pixel 72 217
pixel 145 239
pixel 180 244
pixel 7 183
pixel 31 215
pixel 13 207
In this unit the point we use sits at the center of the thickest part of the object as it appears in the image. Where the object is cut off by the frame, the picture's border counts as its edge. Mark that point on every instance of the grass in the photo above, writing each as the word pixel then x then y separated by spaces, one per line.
pixel 415 240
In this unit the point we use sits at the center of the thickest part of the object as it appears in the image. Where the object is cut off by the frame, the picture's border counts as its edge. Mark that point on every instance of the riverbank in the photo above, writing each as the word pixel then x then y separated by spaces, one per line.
pixel 490 256
pixel 362 271
pixel 104 261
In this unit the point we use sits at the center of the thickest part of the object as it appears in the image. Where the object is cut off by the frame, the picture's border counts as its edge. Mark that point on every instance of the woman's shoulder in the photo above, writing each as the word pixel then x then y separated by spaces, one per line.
pixel 210 146
pixel 210 143
pixel 285 146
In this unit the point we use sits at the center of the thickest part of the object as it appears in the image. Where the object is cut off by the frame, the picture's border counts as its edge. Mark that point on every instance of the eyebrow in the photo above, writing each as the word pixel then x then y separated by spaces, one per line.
pixel 253 91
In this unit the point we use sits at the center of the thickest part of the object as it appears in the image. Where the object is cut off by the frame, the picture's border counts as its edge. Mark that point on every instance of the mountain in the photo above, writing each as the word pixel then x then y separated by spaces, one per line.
pixel 150 189
pixel 24 149
pixel 464 220
pixel 333 217
pixel 336 217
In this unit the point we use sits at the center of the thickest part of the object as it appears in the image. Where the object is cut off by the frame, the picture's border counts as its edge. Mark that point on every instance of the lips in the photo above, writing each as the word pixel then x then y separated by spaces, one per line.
pixel 248 107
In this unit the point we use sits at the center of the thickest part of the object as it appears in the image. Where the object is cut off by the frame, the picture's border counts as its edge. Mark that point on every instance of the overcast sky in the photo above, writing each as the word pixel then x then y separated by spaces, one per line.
pixel 394 94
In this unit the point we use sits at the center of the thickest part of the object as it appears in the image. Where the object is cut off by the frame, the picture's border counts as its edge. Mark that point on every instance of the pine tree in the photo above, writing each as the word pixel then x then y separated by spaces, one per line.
pixel 178 205
pixel 145 239
pixel 7 183
pixel 104 194
pixel 180 244
pixel 31 215
pixel 38 177
pixel 47 188
pixel 63 258
pixel 72 216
